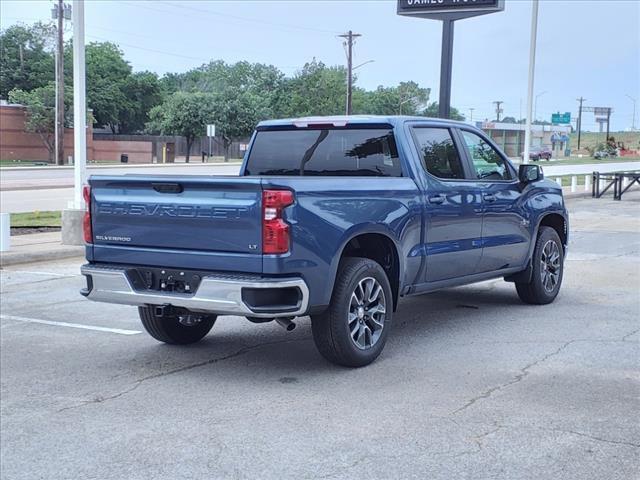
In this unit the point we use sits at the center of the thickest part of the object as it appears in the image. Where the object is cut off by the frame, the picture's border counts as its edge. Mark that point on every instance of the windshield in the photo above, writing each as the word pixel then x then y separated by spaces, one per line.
pixel 330 152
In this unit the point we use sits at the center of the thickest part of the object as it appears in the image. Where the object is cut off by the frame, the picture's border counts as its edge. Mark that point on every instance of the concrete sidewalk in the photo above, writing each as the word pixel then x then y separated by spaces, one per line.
pixel 38 247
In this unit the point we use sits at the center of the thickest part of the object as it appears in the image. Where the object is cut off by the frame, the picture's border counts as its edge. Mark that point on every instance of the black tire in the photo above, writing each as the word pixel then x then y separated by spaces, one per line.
pixel 169 329
pixel 332 333
pixel 537 291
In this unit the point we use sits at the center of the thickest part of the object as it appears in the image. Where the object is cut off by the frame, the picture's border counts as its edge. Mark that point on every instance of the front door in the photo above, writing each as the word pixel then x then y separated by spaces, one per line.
pixel 453 209
pixel 505 227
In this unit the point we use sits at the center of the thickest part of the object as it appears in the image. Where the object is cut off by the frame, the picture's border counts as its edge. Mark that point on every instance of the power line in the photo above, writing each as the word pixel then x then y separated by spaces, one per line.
pixel 183 7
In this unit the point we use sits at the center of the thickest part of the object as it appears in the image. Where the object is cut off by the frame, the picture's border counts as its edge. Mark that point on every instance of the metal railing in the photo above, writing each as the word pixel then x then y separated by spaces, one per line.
pixel 620 181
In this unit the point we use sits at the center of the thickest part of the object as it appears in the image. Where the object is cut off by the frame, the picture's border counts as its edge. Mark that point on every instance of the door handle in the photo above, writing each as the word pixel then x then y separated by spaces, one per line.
pixel 489 197
pixel 436 199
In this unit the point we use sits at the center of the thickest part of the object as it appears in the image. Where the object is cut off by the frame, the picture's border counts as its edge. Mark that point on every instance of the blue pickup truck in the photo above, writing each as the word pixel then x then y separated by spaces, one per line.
pixel 336 218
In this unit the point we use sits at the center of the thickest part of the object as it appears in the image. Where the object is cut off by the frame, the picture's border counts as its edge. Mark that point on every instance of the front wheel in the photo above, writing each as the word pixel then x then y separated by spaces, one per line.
pixel 353 331
pixel 176 329
pixel 548 269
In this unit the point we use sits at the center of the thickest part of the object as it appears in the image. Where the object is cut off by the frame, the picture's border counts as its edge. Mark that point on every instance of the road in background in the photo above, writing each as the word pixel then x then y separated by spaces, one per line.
pixel 50 188
pixel 25 190
pixel 472 384
pixel 33 177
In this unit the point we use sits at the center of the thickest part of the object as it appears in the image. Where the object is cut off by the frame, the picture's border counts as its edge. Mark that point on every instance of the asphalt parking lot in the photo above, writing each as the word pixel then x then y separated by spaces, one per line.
pixel 472 384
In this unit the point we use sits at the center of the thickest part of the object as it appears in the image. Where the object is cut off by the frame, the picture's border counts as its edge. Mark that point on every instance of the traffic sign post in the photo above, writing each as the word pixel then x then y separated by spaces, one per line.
pixel 448 11
pixel 211 132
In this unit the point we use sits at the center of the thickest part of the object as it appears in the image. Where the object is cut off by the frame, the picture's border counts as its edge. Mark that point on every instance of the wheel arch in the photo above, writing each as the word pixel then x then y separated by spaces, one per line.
pixel 378 245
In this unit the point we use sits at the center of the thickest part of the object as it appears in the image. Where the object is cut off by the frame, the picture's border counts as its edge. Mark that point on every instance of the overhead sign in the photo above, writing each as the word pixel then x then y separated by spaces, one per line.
pixel 561 117
pixel 211 130
pixel 448 9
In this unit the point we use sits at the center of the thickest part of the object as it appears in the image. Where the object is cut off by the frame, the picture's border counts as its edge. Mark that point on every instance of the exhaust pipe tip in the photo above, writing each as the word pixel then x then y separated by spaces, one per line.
pixel 286 323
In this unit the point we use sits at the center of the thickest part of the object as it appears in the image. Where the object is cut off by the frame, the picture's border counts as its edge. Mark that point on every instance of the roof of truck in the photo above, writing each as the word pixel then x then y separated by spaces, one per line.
pixel 341 120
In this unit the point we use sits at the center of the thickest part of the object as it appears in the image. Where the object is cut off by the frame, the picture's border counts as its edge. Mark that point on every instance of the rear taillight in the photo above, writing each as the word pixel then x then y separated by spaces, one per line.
pixel 86 221
pixel 275 231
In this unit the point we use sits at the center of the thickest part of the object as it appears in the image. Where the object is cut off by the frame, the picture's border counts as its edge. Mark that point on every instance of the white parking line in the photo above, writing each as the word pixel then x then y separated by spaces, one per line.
pixel 71 325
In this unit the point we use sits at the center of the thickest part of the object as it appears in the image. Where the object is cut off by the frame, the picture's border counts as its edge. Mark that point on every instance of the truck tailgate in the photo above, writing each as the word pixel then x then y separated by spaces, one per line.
pixel 162 220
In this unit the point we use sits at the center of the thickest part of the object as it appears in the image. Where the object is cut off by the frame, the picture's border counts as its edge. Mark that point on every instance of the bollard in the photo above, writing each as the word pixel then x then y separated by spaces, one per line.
pixel 574 183
pixel 5 232
pixel 587 183
pixel 559 181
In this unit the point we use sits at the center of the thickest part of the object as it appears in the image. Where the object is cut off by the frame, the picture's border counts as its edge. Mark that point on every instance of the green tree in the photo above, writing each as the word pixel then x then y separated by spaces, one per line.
pixel 316 90
pixel 26 58
pixel 185 114
pixel 432 111
pixel 408 98
pixel 40 112
pixel 107 73
pixel 142 92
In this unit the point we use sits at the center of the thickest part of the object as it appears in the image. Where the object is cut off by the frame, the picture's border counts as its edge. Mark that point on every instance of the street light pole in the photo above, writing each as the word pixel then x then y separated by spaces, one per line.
pixel 532 68
pixel 79 105
pixel 535 106
pixel 633 119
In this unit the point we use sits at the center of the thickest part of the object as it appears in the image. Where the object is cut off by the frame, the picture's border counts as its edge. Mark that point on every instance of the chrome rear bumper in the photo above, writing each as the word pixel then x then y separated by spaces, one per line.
pixel 216 294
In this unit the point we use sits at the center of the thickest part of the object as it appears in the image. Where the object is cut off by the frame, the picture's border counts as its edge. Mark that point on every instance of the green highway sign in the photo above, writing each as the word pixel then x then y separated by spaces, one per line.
pixel 559 118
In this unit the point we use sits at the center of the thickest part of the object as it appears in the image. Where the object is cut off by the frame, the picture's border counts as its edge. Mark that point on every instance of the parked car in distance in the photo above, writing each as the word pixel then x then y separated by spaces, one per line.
pixel 539 153
pixel 334 218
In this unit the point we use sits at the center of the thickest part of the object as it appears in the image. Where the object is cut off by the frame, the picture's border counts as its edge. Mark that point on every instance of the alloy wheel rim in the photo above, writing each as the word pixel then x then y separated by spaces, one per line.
pixel 550 266
pixel 367 311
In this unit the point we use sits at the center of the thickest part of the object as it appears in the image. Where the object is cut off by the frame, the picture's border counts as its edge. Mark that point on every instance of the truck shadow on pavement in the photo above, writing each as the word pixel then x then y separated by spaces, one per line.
pixel 239 351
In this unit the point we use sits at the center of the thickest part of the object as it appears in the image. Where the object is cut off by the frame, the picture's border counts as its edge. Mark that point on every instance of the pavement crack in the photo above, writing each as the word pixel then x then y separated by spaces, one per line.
pixel 211 361
pixel 599 439
pixel 624 339
pixel 524 372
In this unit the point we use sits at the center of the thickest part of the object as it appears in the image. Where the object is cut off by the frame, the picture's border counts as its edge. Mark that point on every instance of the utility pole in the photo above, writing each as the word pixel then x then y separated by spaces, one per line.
pixel 581 100
pixel 471 112
pixel 350 36
pixel 497 103
pixel 59 128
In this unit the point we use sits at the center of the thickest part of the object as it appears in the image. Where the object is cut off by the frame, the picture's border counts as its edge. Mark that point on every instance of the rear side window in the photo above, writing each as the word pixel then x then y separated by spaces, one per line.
pixel 439 154
pixel 329 152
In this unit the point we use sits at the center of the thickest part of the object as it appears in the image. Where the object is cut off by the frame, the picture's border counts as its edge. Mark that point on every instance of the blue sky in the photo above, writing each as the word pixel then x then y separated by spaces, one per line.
pixel 585 47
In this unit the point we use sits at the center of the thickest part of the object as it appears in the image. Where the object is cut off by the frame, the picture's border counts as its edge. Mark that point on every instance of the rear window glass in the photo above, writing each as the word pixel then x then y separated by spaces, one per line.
pixel 329 152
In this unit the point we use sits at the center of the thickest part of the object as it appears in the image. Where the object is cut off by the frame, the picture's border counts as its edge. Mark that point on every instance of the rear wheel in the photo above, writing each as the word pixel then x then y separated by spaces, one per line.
pixel 177 329
pixel 353 330
pixel 548 268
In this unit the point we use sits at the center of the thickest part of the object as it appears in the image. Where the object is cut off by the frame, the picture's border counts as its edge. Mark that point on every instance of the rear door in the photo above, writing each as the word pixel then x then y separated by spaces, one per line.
pixel 505 228
pixel 211 223
pixel 453 210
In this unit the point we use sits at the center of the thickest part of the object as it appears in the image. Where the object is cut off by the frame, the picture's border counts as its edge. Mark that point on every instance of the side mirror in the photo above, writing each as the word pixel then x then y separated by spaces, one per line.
pixel 530 173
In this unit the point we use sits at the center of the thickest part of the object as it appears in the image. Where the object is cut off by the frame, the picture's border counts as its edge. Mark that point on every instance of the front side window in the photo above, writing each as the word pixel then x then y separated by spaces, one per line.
pixel 488 164
pixel 328 152
pixel 439 154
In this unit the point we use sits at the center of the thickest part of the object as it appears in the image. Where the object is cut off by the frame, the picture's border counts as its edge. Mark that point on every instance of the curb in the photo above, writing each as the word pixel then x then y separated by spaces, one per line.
pixel 17 258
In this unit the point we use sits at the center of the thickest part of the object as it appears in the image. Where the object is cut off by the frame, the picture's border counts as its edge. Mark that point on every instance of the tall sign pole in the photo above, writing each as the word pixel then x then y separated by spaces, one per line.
pixel 532 68
pixel 448 11
pixel 446 67
pixel 79 105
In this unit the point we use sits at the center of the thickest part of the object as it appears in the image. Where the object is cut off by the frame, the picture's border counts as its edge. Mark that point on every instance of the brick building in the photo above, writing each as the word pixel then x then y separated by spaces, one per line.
pixel 18 144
